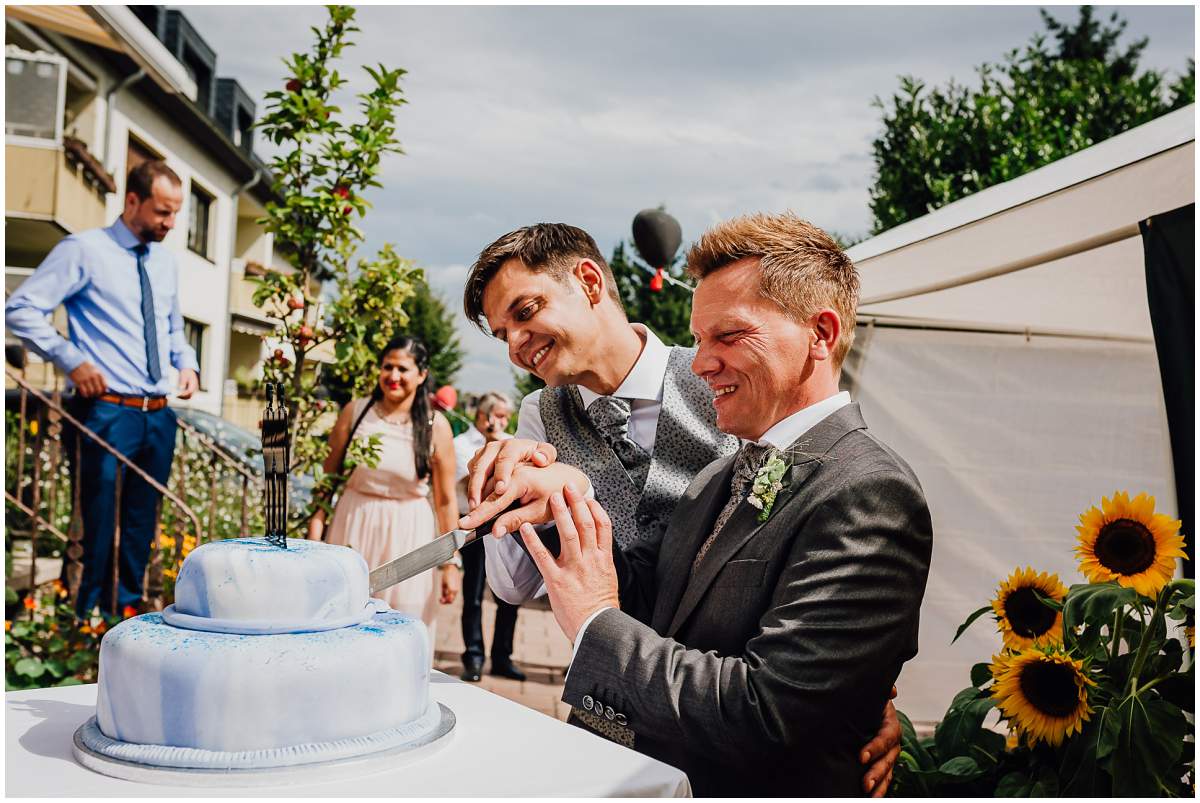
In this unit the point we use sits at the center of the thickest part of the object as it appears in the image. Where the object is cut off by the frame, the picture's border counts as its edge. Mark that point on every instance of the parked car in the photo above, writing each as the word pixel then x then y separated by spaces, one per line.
pixel 245 447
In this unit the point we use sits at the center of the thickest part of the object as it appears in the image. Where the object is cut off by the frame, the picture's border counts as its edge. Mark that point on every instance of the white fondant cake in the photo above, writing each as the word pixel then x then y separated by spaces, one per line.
pixel 217 681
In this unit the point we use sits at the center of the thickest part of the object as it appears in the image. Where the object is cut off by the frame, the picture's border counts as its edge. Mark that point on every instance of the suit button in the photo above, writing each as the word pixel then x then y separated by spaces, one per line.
pixel 587 702
pixel 609 713
pixel 620 720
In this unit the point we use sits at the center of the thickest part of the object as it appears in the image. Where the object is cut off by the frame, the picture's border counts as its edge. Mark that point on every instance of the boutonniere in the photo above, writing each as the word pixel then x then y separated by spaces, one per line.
pixel 768 482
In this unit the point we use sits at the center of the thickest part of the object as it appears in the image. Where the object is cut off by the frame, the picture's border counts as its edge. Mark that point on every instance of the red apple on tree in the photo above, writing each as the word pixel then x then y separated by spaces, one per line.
pixel 294 302
pixel 293 85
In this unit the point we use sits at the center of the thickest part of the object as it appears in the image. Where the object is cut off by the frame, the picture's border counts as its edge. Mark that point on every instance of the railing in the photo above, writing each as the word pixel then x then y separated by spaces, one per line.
pixel 215 495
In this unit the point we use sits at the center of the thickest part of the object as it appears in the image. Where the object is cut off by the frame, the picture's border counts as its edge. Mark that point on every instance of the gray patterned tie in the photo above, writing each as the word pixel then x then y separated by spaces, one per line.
pixel 149 327
pixel 611 417
pixel 749 460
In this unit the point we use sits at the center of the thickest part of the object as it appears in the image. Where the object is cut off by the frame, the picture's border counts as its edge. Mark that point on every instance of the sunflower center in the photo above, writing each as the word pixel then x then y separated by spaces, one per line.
pixel 1050 688
pixel 1125 547
pixel 1027 616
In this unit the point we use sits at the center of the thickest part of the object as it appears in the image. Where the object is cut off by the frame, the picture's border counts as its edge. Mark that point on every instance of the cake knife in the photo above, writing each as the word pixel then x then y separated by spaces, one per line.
pixel 441 549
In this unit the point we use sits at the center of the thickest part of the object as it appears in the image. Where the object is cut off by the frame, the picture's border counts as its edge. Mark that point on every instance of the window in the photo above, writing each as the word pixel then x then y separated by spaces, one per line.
pixel 199 214
pixel 34 91
pixel 137 153
pixel 193 332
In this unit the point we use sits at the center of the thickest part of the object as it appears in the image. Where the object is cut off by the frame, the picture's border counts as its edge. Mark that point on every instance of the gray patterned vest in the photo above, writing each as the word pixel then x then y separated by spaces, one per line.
pixel 686 440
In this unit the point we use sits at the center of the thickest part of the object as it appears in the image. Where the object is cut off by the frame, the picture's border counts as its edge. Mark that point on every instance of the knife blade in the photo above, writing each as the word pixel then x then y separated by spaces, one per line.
pixel 427 556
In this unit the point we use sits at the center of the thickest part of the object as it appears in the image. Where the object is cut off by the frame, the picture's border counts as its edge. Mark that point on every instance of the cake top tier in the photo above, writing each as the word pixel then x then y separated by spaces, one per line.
pixel 245 585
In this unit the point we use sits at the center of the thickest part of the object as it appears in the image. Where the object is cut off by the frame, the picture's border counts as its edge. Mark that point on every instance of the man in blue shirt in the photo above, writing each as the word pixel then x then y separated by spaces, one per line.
pixel 120 290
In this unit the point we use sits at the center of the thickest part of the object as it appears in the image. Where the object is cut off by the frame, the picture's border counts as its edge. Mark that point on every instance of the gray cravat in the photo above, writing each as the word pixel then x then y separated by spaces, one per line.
pixel 149 324
pixel 611 417
pixel 749 460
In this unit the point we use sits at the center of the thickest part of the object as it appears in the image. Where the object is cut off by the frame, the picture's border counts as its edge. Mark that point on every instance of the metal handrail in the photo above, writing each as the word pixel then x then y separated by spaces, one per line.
pixel 73 537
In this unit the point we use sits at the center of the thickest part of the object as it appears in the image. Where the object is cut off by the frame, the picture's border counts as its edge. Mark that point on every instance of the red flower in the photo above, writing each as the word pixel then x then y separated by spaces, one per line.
pixel 30 603
pixel 128 612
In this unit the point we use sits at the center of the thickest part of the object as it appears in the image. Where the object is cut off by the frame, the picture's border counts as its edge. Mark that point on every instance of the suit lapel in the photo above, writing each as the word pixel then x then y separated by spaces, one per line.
pixel 805 455
pixel 693 520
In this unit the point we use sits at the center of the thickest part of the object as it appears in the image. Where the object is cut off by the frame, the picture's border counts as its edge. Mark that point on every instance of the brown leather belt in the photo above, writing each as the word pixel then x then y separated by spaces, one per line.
pixel 147 404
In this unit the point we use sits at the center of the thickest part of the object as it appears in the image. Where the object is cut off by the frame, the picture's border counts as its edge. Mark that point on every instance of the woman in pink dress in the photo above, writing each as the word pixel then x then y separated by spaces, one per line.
pixel 385 512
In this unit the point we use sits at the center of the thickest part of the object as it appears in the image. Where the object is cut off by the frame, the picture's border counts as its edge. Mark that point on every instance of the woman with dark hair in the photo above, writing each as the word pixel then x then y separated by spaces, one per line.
pixel 384 512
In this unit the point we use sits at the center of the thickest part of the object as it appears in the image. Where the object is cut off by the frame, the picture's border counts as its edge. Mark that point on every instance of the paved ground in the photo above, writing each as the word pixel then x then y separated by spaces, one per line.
pixel 539 648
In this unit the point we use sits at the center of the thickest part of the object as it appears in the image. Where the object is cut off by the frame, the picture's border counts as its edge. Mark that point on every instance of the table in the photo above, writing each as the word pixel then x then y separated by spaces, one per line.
pixel 498 749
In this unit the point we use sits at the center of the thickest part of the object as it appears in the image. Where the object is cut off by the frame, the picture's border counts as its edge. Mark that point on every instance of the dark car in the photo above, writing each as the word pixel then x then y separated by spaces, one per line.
pixel 245 447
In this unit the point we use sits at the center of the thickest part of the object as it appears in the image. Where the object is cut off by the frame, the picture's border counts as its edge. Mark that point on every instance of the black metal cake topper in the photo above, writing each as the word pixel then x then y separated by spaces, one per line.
pixel 276 458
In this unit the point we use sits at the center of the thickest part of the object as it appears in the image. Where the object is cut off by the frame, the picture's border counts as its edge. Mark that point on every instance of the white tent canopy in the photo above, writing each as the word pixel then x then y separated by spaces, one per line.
pixel 1004 348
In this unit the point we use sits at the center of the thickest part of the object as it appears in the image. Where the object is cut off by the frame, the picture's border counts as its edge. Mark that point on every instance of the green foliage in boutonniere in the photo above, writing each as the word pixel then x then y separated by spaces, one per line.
pixel 768 482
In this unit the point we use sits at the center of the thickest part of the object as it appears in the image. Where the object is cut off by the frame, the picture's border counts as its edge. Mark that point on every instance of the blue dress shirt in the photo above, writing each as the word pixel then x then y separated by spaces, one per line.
pixel 94 275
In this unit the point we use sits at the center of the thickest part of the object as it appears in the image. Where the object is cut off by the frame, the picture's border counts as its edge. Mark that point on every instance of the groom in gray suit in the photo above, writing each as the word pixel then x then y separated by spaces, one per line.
pixel 757 638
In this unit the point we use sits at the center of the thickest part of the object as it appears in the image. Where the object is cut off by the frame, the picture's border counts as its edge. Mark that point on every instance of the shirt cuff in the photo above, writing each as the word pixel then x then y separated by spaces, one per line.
pixel 579 636
pixel 69 357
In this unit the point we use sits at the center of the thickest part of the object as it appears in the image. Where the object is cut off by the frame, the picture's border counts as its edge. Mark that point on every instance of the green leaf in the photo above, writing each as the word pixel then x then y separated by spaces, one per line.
pixel 981 675
pixel 970 620
pixel 1049 602
pixel 959 728
pixel 1094 603
pixel 69 681
pixel 961 768
pixel 30 667
pixel 1014 784
pixel 1150 743
pixel 912 745
pixel 1085 755
pixel 10 596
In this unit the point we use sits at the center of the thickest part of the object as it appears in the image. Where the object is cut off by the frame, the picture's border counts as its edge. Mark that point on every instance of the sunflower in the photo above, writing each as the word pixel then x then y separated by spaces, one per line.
pixel 1042 693
pixel 1021 617
pixel 1128 542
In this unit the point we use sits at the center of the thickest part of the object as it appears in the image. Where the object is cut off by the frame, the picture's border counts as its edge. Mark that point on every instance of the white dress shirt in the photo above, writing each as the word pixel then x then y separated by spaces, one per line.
pixel 511 573
pixel 466 444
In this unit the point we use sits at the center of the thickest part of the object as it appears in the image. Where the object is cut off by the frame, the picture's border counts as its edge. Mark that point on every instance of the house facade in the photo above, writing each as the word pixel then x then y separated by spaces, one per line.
pixel 91 91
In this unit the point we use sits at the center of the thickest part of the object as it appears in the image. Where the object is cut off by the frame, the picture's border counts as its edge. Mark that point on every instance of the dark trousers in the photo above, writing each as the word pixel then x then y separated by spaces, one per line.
pixel 474 580
pixel 148 440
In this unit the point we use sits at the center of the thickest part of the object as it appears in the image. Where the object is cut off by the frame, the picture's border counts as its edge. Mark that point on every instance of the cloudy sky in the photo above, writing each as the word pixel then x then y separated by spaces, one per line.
pixel 587 114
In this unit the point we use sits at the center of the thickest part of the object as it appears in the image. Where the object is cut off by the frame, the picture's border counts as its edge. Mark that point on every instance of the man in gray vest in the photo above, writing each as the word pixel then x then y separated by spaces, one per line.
pixel 619 405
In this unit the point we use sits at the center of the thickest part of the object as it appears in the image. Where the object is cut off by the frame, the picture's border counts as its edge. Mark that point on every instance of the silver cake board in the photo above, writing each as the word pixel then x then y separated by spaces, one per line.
pixel 315 772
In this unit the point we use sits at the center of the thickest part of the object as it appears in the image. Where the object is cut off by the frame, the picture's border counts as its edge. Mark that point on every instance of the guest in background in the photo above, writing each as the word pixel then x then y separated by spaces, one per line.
pixel 385 512
pixel 491 420
pixel 119 286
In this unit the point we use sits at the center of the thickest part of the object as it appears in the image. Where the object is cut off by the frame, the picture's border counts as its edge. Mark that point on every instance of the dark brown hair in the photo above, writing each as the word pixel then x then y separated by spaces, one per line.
pixel 550 248
pixel 801 268
pixel 142 177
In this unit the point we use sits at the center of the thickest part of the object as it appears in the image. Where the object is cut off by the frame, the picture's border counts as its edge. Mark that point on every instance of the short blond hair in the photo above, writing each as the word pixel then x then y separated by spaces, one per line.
pixel 801 268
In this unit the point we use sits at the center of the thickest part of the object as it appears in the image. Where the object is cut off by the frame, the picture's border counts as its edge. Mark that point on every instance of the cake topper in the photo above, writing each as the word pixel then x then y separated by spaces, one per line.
pixel 276 459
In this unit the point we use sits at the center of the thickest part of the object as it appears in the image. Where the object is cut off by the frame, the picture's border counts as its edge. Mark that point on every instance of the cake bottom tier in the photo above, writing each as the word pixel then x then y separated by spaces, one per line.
pixel 173 695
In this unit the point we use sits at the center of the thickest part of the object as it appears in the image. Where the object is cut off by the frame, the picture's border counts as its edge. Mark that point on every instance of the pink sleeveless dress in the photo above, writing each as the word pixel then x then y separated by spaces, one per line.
pixel 385 512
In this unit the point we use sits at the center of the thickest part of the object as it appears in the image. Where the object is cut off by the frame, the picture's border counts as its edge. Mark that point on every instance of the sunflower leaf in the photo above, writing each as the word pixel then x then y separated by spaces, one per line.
pixel 1094 603
pixel 981 675
pixel 1150 743
pixel 1180 690
pixel 959 728
pixel 1014 784
pixel 970 620
pixel 912 745
pixel 1049 602
pixel 961 768
pixel 1085 755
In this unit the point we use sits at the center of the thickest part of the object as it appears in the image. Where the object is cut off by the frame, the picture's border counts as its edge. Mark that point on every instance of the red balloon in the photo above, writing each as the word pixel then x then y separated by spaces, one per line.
pixel 446 398
pixel 656 281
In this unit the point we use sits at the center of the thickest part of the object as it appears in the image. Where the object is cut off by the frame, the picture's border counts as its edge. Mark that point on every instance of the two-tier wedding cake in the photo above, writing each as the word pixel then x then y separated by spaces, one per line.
pixel 270 658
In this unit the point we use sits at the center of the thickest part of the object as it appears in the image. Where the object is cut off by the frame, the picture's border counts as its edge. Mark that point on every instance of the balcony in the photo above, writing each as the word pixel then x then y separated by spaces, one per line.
pixel 53 185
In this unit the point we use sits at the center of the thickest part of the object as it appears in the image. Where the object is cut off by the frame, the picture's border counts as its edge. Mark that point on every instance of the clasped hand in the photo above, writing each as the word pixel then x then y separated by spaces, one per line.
pixel 516 471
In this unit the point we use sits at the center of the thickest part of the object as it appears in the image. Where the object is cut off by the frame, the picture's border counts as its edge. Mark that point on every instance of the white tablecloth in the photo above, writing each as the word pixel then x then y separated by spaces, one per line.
pixel 498 748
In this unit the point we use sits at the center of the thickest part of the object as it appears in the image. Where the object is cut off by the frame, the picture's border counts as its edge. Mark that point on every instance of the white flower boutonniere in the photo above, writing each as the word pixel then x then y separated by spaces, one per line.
pixel 768 482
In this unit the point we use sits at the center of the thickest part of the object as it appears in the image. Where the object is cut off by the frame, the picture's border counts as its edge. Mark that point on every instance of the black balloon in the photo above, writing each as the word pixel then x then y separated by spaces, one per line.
pixel 657 236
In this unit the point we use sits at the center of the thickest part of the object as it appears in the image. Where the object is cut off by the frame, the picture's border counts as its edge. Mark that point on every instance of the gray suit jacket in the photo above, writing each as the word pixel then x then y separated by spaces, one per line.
pixel 766 673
